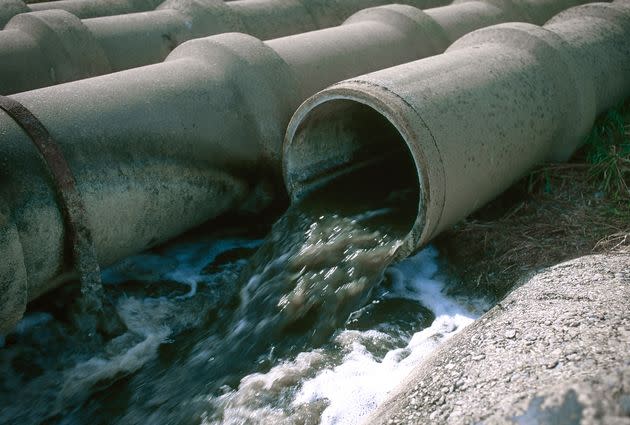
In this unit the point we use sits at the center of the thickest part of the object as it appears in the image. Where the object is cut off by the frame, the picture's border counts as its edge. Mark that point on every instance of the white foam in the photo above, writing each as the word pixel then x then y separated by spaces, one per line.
pixel 149 322
pixel 361 382
pixel 253 401
pixel 30 321
pixel 182 263
pixel 79 381
pixel 342 388
pixel 342 385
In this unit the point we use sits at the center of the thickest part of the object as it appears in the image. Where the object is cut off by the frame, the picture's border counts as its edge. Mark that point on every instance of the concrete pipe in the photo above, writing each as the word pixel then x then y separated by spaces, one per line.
pixel 35 1
pixel 158 150
pixel 473 120
pixel 79 8
pixel 50 47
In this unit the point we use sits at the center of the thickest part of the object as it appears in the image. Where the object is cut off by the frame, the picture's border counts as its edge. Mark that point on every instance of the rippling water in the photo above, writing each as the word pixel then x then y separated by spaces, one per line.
pixel 310 325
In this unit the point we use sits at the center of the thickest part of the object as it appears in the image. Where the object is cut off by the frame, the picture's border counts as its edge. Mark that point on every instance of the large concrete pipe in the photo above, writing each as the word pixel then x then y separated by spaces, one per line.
pixel 50 47
pixel 79 8
pixel 472 120
pixel 159 149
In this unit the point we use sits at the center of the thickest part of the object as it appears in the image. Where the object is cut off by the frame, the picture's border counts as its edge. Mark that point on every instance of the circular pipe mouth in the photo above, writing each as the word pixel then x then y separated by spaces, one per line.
pixel 342 131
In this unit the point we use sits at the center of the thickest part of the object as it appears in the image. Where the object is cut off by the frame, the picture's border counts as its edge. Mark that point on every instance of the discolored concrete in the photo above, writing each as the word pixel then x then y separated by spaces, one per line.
pixel 555 351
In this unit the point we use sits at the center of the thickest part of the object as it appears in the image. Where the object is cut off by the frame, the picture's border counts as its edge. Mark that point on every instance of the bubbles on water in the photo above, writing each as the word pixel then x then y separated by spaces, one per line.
pixel 188 263
pixel 345 380
pixel 213 338
pixel 122 356
pixel 48 372
pixel 52 372
pixel 356 386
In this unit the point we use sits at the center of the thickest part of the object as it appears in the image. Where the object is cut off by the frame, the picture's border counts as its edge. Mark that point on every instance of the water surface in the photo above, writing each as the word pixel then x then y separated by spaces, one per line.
pixel 311 324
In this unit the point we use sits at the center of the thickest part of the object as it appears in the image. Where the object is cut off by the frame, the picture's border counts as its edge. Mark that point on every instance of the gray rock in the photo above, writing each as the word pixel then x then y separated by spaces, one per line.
pixel 566 375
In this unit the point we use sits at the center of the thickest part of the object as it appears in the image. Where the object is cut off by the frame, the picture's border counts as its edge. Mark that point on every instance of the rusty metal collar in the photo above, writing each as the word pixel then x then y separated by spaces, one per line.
pixel 69 199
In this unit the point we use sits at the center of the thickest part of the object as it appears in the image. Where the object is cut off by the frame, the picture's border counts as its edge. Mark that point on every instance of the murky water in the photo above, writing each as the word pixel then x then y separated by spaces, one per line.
pixel 309 325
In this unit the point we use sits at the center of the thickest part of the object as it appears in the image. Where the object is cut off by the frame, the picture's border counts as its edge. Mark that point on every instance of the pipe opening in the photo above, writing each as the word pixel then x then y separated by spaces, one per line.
pixel 342 151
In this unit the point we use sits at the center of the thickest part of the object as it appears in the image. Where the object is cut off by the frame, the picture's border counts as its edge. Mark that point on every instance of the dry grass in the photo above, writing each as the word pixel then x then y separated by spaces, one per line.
pixel 558 212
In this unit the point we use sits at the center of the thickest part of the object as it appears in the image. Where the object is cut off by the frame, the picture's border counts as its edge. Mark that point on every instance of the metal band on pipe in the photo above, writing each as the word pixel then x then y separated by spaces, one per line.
pixel 69 198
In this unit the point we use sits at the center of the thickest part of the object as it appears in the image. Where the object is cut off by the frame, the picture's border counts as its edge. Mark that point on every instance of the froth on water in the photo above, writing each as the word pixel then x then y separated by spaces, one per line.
pixel 322 259
pixel 203 324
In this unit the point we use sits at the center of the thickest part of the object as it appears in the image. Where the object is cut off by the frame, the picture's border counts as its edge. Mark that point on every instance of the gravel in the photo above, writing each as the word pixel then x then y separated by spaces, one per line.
pixel 556 350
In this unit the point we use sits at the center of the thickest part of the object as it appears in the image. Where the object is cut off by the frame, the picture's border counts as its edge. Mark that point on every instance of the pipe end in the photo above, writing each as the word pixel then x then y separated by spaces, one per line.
pixel 355 126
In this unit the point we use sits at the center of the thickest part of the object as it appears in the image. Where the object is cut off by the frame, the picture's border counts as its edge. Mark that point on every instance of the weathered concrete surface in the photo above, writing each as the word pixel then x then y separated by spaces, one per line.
pixel 473 120
pixel 79 8
pixel 34 47
pixel 158 150
pixel 554 351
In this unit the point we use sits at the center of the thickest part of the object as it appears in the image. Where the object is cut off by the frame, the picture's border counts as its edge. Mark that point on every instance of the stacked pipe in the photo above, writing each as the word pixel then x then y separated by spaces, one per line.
pixel 472 120
pixel 54 46
pixel 79 8
pixel 159 149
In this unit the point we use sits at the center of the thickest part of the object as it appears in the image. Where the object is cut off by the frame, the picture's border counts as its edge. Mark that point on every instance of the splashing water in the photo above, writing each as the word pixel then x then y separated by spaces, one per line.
pixel 346 379
pixel 313 328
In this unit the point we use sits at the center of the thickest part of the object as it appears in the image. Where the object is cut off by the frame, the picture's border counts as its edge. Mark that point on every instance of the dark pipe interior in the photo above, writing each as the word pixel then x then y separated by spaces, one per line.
pixel 345 144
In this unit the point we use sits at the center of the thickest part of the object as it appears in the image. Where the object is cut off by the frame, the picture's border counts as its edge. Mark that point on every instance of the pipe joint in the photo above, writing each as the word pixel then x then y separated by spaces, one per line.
pixel 86 9
pixel 609 25
pixel 431 37
pixel 202 17
pixel 71 51
pixel 471 121
pixel 510 9
pixel 10 8
pixel 567 82
pixel 260 76
pixel 616 12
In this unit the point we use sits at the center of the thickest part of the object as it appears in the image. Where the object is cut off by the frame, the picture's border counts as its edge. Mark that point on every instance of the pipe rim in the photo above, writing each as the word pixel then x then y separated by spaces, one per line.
pixel 394 109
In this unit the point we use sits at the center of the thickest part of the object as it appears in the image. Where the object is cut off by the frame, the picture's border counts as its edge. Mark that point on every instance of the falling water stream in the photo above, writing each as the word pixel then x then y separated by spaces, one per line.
pixel 310 325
